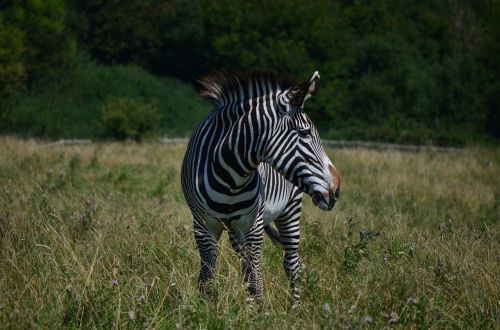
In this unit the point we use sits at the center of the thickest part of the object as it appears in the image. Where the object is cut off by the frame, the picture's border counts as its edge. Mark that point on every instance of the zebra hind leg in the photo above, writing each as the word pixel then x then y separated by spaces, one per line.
pixel 273 234
pixel 289 231
pixel 249 249
pixel 206 241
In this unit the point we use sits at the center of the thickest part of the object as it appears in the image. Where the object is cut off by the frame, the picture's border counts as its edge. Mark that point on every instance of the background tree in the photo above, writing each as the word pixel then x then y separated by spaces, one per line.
pixel 400 71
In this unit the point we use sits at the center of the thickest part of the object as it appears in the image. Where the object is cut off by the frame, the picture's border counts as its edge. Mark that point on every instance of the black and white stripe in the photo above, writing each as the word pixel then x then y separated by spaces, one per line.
pixel 246 167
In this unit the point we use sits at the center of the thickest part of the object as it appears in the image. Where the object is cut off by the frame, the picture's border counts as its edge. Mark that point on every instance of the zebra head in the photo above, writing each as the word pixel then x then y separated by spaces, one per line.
pixel 295 148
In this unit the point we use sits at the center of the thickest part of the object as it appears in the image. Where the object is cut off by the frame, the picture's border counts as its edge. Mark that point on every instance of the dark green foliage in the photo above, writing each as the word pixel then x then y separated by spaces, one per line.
pixel 70 105
pixel 398 71
pixel 38 35
pixel 34 41
pixel 159 35
pixel 49 45
pixel 124 118
pixel 12 71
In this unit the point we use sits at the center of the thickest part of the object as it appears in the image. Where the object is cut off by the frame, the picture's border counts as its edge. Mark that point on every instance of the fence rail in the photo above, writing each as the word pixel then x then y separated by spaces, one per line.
pixel 387 146
pixel 358 144
pixel 327 143
pixel 68 142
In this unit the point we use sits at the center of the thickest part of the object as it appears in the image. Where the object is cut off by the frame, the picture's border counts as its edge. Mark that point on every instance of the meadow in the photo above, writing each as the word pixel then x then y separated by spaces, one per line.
pixel 99 236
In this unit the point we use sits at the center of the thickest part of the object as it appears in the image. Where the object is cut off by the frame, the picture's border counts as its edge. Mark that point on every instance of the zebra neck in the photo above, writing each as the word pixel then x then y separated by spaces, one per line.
pixel 238 163
pixel 244 126
pixel 240 153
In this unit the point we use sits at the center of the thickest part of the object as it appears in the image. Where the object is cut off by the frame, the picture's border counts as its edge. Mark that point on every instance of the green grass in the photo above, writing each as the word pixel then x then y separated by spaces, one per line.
pixel 100 236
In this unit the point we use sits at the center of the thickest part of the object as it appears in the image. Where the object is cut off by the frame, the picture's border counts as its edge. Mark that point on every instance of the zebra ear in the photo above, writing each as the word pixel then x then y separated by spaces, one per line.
pixel 300 93
pixel 313 84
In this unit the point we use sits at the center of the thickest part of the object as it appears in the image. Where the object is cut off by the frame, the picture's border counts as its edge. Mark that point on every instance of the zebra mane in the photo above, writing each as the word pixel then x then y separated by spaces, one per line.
pixel 219 85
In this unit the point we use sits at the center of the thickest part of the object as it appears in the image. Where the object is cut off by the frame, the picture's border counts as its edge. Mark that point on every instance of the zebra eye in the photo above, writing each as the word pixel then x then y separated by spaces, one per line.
pixel 305 132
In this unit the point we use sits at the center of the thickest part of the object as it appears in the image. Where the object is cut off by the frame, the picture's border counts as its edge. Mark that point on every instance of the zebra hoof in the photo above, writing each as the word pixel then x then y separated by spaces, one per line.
pixel 295 307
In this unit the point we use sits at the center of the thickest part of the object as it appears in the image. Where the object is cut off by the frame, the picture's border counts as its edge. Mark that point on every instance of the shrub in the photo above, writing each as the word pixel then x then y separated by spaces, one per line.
pixel 70 104
pixel 125 118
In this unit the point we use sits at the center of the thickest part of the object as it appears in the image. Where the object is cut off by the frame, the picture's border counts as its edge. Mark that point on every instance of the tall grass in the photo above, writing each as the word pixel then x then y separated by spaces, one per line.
pixel 100 236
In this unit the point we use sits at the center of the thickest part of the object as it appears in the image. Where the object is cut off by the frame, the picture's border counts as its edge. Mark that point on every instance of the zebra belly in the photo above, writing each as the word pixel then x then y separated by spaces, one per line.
pixel 273 209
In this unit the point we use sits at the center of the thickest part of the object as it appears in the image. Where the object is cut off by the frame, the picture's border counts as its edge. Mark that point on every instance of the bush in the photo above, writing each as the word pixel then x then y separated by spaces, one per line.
pixel 125 118
pixel 70 104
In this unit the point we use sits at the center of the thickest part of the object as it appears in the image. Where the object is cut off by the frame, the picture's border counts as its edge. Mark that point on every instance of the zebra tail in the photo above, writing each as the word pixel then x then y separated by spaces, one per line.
pixel 273 234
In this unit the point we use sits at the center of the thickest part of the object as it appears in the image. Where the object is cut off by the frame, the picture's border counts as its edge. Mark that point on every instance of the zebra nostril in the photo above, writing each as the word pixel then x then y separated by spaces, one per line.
pixel 337 193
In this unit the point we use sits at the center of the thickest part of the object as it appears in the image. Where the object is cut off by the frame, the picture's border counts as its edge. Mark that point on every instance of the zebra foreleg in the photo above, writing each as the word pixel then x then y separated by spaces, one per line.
pixel 206 241
pixel 249 249
pixel 289 231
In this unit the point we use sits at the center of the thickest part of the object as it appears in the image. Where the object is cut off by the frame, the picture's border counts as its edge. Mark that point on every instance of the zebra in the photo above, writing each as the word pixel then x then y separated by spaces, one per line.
pixel 246 167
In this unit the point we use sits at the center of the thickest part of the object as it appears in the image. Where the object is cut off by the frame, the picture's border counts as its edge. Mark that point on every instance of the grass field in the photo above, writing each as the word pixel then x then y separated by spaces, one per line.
pixel 100 236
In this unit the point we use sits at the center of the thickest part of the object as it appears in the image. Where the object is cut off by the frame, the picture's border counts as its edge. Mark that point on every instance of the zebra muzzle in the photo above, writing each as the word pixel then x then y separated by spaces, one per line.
pixel 322 202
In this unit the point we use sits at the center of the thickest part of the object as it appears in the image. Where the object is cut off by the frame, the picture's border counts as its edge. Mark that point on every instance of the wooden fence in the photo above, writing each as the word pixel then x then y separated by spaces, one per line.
pixel 327 143
pixel 358 144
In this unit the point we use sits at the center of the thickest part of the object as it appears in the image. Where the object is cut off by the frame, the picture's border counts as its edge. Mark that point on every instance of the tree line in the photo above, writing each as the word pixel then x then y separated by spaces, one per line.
pixel 399 71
